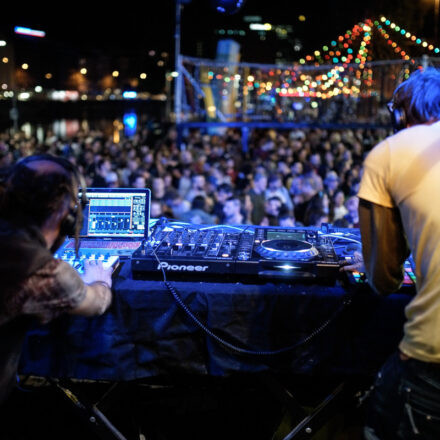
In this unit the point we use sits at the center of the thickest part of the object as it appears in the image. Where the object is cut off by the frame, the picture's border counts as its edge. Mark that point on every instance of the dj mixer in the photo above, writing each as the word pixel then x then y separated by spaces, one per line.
pixel 248 253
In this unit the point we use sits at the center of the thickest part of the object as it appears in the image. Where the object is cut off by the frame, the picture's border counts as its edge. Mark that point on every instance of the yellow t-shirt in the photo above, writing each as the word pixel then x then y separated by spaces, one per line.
pixel 404 171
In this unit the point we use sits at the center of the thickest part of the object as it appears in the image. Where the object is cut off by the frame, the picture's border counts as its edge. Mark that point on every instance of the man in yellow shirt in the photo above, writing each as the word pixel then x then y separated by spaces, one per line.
pixel 400 212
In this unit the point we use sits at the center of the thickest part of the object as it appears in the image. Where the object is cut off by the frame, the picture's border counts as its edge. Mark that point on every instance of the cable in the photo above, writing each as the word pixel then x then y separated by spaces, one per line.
pixel 241 350
pixel 223 226
pixel 338 237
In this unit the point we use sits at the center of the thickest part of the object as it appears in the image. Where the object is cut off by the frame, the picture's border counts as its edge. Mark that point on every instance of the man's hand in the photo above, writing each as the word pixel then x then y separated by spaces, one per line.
pixel 357 265
pixel 94 271
pixel 98 280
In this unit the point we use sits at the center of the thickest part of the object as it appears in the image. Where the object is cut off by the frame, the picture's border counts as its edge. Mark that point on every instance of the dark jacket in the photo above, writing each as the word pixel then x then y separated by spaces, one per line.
pixel 22 252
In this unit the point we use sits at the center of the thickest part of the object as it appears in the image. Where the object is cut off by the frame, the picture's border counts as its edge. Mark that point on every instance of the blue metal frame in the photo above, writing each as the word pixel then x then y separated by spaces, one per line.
pixel 246 126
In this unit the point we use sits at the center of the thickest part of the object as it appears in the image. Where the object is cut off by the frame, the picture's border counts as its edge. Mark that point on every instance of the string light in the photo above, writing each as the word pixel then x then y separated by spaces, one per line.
pixel 393 44
pixel 407 35
pixel 351 75
pixel 342 42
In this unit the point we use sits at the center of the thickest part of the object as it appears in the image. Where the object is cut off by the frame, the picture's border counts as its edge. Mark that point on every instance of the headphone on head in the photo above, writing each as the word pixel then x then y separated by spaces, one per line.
pixel 398 117
pixel 69 225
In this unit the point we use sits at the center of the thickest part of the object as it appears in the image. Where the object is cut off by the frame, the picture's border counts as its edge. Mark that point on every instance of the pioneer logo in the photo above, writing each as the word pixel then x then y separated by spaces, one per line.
pixel 181 267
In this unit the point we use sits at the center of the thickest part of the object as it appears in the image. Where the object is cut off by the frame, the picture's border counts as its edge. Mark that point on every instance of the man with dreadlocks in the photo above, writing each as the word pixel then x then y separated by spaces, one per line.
pixel 39 206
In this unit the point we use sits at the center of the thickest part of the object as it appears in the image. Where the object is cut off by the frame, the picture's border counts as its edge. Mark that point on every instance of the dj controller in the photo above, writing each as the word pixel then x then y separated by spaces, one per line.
pixel 255 254
pixel 77 261
pixel 109 252
pixel 248 253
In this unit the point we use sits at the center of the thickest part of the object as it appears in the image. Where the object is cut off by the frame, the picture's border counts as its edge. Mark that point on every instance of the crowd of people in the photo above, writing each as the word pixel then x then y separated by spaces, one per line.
pixel 286 178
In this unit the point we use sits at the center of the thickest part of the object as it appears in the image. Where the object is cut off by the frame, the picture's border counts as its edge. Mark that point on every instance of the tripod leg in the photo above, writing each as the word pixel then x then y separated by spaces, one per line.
pixel 99 423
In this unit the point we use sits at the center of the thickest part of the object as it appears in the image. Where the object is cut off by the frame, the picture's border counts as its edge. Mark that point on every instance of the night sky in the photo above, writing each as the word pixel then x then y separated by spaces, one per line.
pixel 133 29
pixel 141 26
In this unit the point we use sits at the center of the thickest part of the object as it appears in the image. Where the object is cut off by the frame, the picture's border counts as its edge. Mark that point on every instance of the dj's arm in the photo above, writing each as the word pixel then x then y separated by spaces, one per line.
pixel 98 296
pixel 384 246
pixel 58 288
pixel 96 300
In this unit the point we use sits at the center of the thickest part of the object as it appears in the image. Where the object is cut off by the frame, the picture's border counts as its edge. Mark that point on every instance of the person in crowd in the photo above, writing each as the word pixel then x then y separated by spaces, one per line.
pixel 6 158
pixel 129 171
pixel 318 204
pixel 102 168
pixel 233 212
pixel 294 179
pixel 258 198
pixel 246 209
pixel 177 206
pixel 352 216
pixel 185 179
pixel 275 188
pixel 138 181
pixel 398 212
pixel 112 180
pixel 338 208
pixel 317 218
pixel 198 213
pixel 157 208
pixel 273 207
pixel 39 206
pixel 198 187
pixel 331 183
pixel 311 177
pixel 286 219
pixel 223 193
pixel 158 188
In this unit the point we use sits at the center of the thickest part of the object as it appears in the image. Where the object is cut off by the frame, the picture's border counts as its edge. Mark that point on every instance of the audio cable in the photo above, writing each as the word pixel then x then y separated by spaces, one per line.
pixel 241 350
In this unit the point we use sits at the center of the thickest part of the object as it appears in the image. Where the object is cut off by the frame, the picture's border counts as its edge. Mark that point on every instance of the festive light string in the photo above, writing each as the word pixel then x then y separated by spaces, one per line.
pixel 349 37
pixel 293 83
pixel 334 75
pixel 394 45
pixel 407 34
pixel 322 85
pixel 287 82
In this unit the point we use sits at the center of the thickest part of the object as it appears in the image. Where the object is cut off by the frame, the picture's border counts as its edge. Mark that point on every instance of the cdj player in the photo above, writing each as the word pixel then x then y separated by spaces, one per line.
pixel 247 253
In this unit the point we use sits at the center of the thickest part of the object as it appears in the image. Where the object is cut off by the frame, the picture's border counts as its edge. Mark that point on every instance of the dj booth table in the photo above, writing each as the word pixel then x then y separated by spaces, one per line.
pixel 146 334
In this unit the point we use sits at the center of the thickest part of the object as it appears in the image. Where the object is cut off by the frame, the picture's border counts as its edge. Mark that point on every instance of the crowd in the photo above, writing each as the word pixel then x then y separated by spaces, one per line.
pixel 286 178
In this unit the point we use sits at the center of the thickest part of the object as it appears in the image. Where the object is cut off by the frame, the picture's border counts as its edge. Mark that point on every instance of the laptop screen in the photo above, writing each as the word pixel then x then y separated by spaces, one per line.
pixel 116 213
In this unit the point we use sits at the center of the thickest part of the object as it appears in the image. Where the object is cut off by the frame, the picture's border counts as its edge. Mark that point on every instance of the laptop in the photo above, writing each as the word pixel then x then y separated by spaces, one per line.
pixel 116 221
